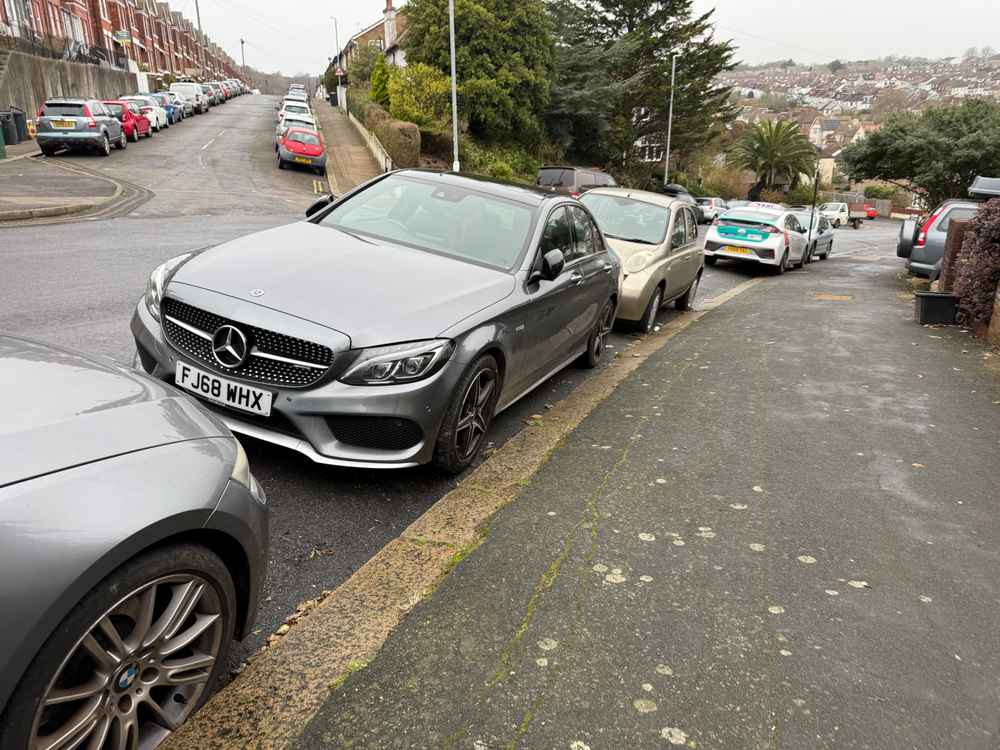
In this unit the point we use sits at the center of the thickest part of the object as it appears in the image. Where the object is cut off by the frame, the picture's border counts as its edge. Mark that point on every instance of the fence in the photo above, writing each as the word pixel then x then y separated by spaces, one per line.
pixel 60 48
pixel 377 150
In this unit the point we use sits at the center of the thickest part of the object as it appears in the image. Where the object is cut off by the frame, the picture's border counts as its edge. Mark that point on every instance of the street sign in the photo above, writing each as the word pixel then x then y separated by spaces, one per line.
pixel 123 36
pixel 340 72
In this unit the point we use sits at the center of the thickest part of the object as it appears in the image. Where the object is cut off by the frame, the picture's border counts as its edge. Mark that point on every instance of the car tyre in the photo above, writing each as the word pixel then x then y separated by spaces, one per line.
pixel 468 419
pixel 783 266
pixel 135 135
pixel 686 301
pixel 710 260
pixel 826 255
pixel 122 143
pixel 836 223
pixel 281 162
pixel 185 563
pixel 598 339
pixel 648 320
pixel 105 146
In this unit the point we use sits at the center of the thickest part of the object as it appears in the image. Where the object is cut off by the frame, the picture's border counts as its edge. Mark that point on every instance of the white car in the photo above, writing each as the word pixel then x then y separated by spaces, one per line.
pixel 152 110
pixel 293 121
pixel 296 108
pixel 836 213
pixel 179 101
pixel 191 93
pixel 820 235
pixel 711 208
pixel 767 236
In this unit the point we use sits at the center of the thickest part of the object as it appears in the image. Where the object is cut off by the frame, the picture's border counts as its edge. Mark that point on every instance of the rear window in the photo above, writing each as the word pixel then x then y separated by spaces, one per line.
pixel 748 218
pixel 556 177
pixel 63 109
pixel 704 201
pixel 307 138
pixel 114 109
pixel 295 108
pixel 956 214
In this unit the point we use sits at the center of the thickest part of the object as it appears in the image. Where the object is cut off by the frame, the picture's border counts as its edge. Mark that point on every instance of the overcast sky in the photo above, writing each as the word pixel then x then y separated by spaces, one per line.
pixel 297 35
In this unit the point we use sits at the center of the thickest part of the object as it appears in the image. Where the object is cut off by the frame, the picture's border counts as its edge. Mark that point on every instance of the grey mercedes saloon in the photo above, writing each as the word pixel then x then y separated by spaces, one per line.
pixel 133 541
pixel 387 329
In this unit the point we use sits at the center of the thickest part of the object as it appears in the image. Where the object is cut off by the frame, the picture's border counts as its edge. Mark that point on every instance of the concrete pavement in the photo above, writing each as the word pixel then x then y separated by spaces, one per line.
pixel 40 188
pixel 781 531
pixel 349 162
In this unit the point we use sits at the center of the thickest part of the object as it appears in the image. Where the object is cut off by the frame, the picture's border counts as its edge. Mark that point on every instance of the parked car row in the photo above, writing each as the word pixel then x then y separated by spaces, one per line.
pixel 297 140
pixel 89 124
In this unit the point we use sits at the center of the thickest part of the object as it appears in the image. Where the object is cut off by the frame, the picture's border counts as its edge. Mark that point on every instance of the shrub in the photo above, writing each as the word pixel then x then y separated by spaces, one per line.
pixel 362 63
pixel 880 192
pixel 422 95
pixel 380 82
pixel 375 116
pixel 358 103
pixel 512 163
pixel 979 267
pixel 800 196
pixel 401 140
pixel 772 196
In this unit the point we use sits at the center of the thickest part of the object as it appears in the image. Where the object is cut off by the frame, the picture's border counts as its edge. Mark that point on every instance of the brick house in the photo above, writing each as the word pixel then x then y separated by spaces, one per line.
pixel 385 34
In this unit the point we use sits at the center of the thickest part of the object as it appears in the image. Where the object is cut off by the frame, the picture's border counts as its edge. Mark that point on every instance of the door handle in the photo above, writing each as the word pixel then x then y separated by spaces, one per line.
pixel 576 277
pixel 608 268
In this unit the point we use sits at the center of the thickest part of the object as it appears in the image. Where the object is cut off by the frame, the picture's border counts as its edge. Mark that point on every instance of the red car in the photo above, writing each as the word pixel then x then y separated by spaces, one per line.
pixel 302 146
pixel 134 123
pixel 871 211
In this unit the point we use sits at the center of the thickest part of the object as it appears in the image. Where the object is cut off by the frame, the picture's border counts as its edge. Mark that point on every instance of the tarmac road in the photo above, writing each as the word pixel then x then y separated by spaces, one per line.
pixel 213 178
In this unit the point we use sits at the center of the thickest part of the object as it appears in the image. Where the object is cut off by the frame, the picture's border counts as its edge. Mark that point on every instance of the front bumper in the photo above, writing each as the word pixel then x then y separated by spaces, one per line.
pixel 636 291
pixel 305 419
pixel 242 513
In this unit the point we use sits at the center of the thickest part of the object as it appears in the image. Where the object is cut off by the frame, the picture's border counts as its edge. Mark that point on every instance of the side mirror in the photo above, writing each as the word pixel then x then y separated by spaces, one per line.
pixel 319 205
pixel 552 264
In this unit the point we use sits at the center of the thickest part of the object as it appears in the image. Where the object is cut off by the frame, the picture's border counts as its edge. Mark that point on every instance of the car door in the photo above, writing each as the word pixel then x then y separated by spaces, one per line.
pixel 796 238
pixel 591 274
pixel 541 326
pixel 691 256
pixel 105 121
pixel 674 271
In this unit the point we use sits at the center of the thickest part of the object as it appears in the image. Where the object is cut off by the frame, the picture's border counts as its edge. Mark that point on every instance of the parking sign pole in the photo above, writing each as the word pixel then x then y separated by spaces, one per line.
pixel 670 120
pixel 454 88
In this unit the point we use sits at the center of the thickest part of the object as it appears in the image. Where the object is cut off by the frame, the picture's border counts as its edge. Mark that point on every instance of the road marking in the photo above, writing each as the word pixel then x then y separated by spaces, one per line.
pixel 317 187
pixel 209 143
pixel 220 133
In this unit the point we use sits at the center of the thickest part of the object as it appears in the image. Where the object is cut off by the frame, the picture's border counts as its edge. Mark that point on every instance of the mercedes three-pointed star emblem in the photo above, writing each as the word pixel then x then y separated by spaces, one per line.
pixel 230 346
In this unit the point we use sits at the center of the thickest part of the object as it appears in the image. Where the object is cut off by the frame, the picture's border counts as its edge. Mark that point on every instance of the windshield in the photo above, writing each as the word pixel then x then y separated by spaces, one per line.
pixel 298 109
pixel 63 109
pixel 623 218
pixel 450 220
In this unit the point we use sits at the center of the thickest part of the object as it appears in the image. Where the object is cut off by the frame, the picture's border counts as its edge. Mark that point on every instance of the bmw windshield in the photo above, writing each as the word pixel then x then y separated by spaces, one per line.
pixel 439 218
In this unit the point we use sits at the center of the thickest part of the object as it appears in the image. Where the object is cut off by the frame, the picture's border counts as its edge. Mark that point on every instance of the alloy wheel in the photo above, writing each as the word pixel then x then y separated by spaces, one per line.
pixel 604 325
pixel 475 413
pixel 654 307
pixel 107 146
pixel 139 671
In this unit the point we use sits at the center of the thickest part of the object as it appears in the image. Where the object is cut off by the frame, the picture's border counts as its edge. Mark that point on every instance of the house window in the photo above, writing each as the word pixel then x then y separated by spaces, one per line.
pixel 103 8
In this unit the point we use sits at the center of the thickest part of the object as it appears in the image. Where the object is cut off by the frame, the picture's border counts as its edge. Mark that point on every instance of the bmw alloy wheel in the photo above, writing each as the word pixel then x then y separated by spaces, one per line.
pixel 138 672
pixel 475 414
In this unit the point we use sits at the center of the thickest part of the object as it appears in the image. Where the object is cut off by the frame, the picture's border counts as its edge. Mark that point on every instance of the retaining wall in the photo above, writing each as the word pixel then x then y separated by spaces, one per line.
pixel 28 81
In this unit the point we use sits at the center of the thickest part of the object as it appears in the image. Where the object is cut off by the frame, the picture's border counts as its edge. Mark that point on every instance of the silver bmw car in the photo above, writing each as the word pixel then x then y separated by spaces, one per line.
pixel 389 328
pixel 133 541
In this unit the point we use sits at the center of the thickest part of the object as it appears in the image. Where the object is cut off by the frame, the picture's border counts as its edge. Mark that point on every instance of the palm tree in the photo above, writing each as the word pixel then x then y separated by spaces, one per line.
pixel 776 152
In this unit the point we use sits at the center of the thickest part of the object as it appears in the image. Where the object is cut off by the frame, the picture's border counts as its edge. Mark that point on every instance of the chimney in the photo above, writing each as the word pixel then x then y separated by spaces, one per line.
pixel 389 26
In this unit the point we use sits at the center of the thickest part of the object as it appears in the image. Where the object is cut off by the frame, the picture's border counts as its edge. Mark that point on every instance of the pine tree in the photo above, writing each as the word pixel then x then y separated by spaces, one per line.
pixel 380 82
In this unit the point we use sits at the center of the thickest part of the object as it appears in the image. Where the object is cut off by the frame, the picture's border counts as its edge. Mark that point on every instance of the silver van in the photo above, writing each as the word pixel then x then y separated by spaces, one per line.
pixel 191 92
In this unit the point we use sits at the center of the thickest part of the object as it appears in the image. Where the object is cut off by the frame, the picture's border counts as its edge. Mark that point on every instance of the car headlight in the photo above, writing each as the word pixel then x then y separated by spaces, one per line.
pixel 638 262
pixel 157 282
pixel 241 468
pixel 399 363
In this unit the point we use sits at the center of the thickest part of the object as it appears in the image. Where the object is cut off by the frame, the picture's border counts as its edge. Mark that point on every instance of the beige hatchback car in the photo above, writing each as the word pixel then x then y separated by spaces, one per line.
pixel 656 238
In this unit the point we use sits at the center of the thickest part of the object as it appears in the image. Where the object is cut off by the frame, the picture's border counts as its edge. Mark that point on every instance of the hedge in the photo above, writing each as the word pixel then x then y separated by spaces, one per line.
pixel 401 140
pixel 979 267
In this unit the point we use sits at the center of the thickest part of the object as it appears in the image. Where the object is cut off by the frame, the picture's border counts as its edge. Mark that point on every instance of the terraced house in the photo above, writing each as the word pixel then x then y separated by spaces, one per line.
pixel 144 35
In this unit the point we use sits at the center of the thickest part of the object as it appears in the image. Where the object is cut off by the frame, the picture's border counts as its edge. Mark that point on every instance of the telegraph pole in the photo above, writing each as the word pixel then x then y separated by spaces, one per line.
pixel 336 41
pixel 670 120
pixel 201 38
pixel 243 55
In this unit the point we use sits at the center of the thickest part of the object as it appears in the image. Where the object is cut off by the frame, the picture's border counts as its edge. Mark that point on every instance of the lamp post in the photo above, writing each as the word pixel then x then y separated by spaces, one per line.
pixel 201 39
pixel 454 88
pixel 670 120
pixel 243 56
pixel 336 41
